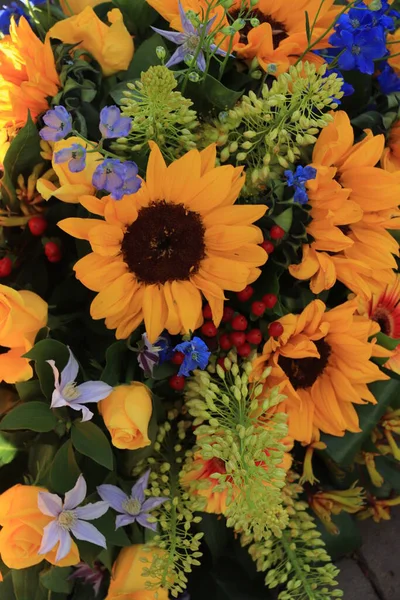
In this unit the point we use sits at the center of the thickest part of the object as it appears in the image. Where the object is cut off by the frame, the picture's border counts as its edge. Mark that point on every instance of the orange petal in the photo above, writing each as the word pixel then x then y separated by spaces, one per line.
pixel 156 173
pixel 154 311
pixel 181 176
pixel 208 158
pixel 94 205
pixel 234 215
pixel 106 239
pixel 79 228
pixel 97 272
pixel 188 301
pixel 174 323
pixel 114 298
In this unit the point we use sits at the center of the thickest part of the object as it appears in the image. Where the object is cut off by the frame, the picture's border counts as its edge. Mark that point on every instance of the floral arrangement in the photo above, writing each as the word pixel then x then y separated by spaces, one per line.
pixel 200 299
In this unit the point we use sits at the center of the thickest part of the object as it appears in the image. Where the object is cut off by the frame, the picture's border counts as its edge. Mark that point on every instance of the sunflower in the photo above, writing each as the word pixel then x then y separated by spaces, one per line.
pixel 393 45
pixel 28 75
pixel 390 160
pixel 353 203
pixel 158 250
pixel 321 363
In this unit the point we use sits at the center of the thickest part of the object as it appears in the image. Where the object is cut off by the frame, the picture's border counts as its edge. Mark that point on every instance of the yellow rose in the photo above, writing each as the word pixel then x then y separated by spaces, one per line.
pixel 22 314
pixel 22 530
pixel 127 581
pixel 73 7
pixel 71 185
pixel 112 46
pixel 126 413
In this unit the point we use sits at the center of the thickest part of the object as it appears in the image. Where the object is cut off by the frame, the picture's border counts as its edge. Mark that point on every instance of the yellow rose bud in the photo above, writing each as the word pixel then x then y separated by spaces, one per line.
pixel 127 581
pixel 112 46
pixel 73 7
pixel 126 413
pixel 22 530
pixel 22 314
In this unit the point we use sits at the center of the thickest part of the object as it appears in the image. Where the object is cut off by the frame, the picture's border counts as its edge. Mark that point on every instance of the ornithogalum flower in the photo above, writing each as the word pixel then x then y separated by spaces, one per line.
pixel 58 124
pixel 113 124
pixel 188 41
pixel 150 354
pixel 359 48
pixel 196 354
pixel 69 518
pixel 134 507
pixel 90 576
pixel 68 393
pixel 117 178
pixel 75 155
pixel 298 180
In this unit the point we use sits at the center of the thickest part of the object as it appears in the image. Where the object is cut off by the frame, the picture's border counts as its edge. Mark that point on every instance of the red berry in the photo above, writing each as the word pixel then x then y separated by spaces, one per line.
pixel 225 342
pixel 227 314
pixel 275 329
pixel 238 338
pixel 54 258
pixel 177 382
pixel 258 308
pixel 245 294
pixel 276 232
pixel 37 225
pixel 51 248
pixel 270 300
pixel 221 362
pixel 239 323
pixel 207 312
pixel 244 350
pixel 209 329
pixel 268 246
pixel 178 358
pixel 254 336
pixel 6 266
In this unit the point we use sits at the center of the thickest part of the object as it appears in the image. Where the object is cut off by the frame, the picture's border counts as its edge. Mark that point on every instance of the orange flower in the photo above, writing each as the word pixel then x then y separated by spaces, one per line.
pixel 333 502
pixel 393 40
pixel 353 203
pixel 321 363
pixel 390 160
pixel 379 510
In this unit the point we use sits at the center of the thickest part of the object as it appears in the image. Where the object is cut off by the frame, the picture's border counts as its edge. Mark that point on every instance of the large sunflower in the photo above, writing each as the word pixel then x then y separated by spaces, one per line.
pixel 390 160
pixel 353 203
pixel 159 249
pixel 321 363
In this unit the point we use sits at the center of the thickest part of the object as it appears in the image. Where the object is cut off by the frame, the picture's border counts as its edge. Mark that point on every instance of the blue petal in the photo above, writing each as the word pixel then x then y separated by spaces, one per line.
pixel 172 36
pixel 124 520
pixel 177 57
pixel 139 487
pixel 187 25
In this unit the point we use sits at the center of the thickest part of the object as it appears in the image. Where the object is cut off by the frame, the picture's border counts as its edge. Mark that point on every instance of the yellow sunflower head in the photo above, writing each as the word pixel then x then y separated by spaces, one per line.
pixel 157 251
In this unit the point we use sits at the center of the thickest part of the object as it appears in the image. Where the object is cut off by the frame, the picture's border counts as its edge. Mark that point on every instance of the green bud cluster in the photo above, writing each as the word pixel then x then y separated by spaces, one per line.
pixel 298 557
pixel 226 408
pixel 267 133
pixel 158 113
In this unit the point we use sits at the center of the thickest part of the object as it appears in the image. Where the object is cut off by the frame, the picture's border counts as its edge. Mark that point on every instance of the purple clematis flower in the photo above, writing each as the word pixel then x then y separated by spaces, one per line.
pixel 75 155
pixel 113 124
pixel 134 507
pixel 59 124
pixel 90 576
pixel 188 41
pixel 150 355
pixel 68 393
pixel 69 518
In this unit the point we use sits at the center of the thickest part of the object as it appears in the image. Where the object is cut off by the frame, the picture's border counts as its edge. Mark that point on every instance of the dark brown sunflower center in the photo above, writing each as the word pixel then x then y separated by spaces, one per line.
pixel 278 29
pixel 381 316
pixel 303 372
pixel 165 243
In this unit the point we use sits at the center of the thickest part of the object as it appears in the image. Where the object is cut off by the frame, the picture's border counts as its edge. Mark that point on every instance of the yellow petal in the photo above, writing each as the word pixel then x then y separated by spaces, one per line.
pixel 181 175
pixel 156 173
pixel 188 301
pixel 114 298
pixel 234 215
pixel 208 158
pixel 173 323
pixel 106 239
pixel 79 228
pixel 154 311
pixel 97 272
pixel 94 205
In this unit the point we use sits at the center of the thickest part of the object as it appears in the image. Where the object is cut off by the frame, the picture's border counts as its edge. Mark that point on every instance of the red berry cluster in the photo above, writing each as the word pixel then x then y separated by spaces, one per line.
pixel 276 233
pixel 37 225
pixel 6 266
pixel 53 252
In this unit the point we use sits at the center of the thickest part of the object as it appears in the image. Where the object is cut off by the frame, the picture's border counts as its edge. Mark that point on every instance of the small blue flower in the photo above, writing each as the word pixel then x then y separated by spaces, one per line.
pixel 6 13
pixel 362 17
pixel 388 80
pixel 298 180
pixel 132 183
pixel 59 124
pixel 75 155
pixel 360 48
pixel 113 124
pixel 196 354
pixel 117 178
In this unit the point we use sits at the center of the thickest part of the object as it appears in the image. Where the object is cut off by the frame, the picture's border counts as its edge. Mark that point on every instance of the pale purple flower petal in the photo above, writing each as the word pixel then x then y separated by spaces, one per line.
pixel 91 511
pixel 56 373
pixel 92 391
pixel 172 36
pixel 219 51
pixel 113 496
pixel 65 544
pixel 187 25
pixel 51 537
pixel 86 413
pixel 123 520
pixel 201 62
pixel 77 495
pixel 177 57
pixel 70 372
pixel 140 486
pixel 142 519
pixel 88 533
pixel 152 503
pixel 210 24
pixel 49 504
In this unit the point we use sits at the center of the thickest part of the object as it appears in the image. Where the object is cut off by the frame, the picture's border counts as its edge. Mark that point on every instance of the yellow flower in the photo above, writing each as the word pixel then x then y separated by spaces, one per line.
pixel 333 502
pixel 127 581
pixel 393 45
pixel 126 413
pixel 379 510
pixel 73 7
pixel 71 185
pixel 22 314
pixel 321 363
pixel 112 46
pixel 28 75
pixel 390 160
pixel 158 250
pixel 22 530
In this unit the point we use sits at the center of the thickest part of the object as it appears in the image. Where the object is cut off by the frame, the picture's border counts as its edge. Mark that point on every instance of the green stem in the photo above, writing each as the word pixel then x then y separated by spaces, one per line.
pixel 297 567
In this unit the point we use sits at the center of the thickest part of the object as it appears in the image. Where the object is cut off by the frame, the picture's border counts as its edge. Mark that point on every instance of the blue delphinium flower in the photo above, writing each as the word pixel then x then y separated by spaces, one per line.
pixel 298 180
pixel 75 155
pixel 134 507
pixel 116 177
pixel 132 183
pixel 188 41
pixel 69 518
pixel 360 48
pixel 388 79
pixel 113 124
pixel 59 124
pixel 6 13
pixel 196 354
pixel 363 17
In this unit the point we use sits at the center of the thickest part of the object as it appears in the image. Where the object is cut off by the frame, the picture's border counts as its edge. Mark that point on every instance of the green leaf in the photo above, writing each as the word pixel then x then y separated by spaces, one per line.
pixel 114 537
pixel 89 440
pixel 29 390
pixel 285 219
pixel 138 15
pixel 7 451
pixel 64 469
pixel 386 341
pixel 56 579
pixel 348 539
pixel 22 155
pixel 308 29
pixel 117 358
pixel 7 588
pixel 218 95
pixel 145 57
pixel 40 458
pixel 48 350
pixel 26 584
pixel 35 416
pixel 343 449
pixel 390 471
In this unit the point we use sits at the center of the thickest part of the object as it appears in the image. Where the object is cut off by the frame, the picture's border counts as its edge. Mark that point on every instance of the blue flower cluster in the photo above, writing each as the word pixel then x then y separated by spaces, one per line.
pixel 16 10
pixel 298 181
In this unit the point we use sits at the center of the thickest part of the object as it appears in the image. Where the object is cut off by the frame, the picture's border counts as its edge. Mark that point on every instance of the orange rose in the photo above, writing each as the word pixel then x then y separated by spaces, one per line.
pixel 126 413
pixel 22 314
pixel 22 530
pixel 73 7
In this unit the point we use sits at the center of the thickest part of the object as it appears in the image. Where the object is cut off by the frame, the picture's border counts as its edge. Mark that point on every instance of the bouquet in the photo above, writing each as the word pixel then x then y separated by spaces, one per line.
pixel 200 299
